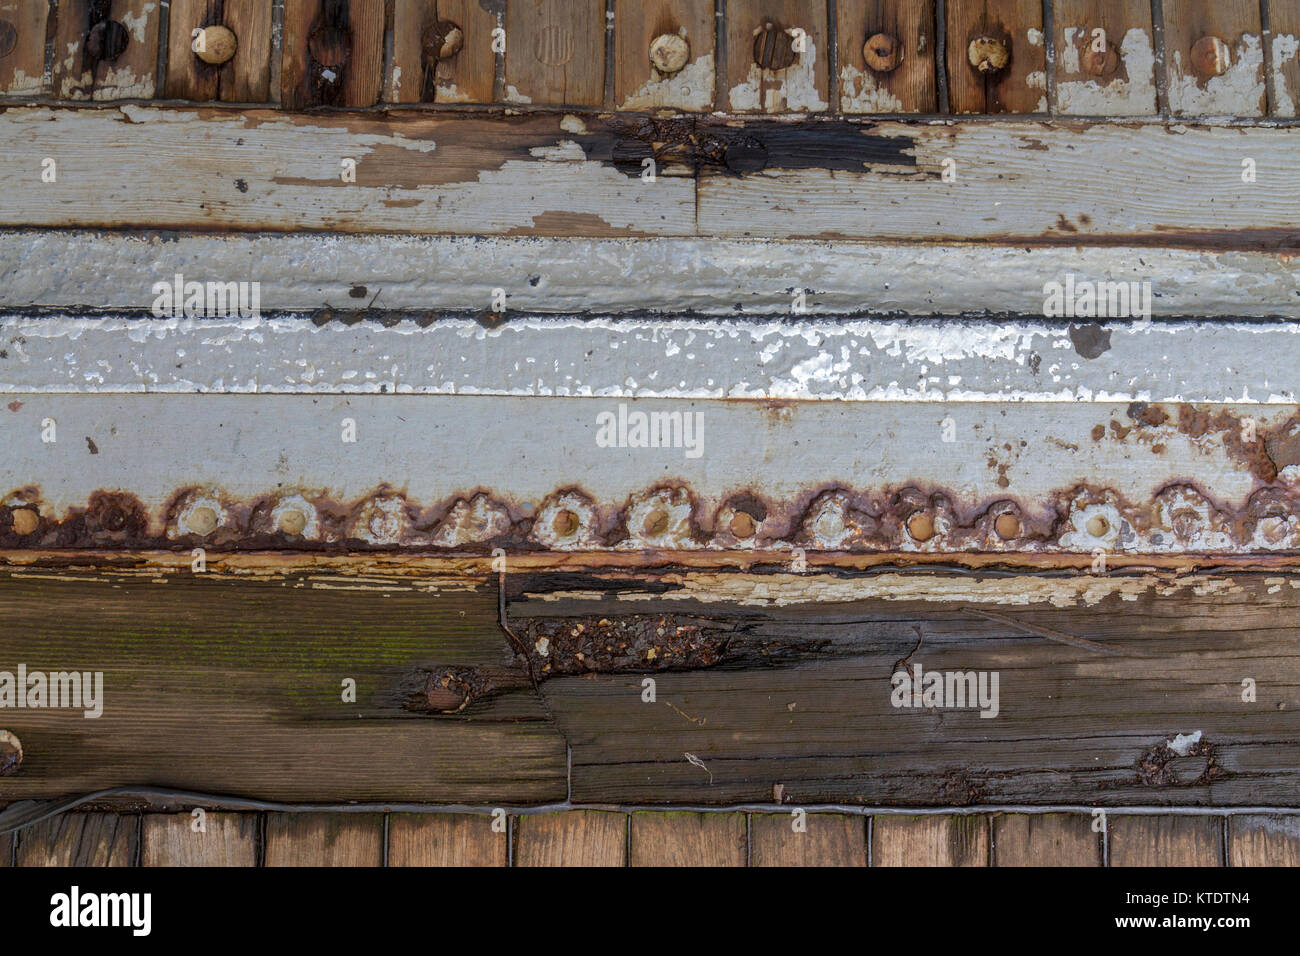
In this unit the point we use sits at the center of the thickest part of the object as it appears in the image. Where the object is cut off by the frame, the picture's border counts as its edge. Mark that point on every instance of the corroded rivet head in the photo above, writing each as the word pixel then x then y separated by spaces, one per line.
pixel 656 523
pixel 883 52
pixel 292 521
pixel 1210 57
pixel 773 47
pixel 669 52
pixel 565 524
pixel 201 521
pixel 1098 526
pixel 1007 526
pixel 25 521
pixel 215 44
pixel 8 38
pixel 442 41
pixel 11 754
pixel 742 525
pixel 921 526
pixel 106 41
pixel 988 54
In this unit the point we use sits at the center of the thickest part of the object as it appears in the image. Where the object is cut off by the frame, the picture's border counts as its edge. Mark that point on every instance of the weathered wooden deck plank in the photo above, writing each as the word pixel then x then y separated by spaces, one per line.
pixel 830 839
pixel 901 40
pixel 571 838
pixel 555 52
pixel 81 839
pixel 1263 840
pixel 642 82
pixel 929 840
pixel 1165 841
pixel 464 74
pixel 997 56
pixel 210 839
pixel 681 838
pixel 447 839
pixel 85 67
pixel 333 53
pixel 1111 73
pixel 245 78
pixel 324 839
pixel 1214 57
pixel 1048 839
pixel 22 48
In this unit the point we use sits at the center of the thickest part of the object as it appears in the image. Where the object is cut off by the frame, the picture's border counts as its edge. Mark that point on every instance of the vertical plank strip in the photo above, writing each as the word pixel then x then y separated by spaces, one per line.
pixel 929 840
pixel 324 839
pixel 445 839
pixel 900 76
pixel 1045 839
pixel 91 63
pixel 1263 840
pixel 22 46
pixel 831 839
pixel 459 70
pixel 555 52
pixel 687 839
pixel 1175 840
pixel 997 56
pixel 646 73
pixel 81 839
pixel 1284 22
pixel 246 78
pixel 571 838
pixel 789 80
pixel 226 839
pixel 1215 57
pixel 333 53
pixel 1107 74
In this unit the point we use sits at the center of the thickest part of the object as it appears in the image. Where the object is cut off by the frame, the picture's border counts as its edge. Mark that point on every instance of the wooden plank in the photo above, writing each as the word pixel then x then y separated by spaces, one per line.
pixel 89 70
pixel 6 849
pixel 22 46
pixel 1263 840
pixel 831 839
pixel 446 839
pixel 997 57
pixel 1284 22
pixel 1045 839
pixel 467 71
pixel 324 839
pixel 333 53
pixel 555 52
pixel 1214 58
pixel 790 80
pixel 571 838
pixel 223 839
pixel 929 840
pixel 902 74
pixel 246 77
pixel 642 82
pixel 1107 74
pixel 678 838
pixel 1165 841
pixel 81 839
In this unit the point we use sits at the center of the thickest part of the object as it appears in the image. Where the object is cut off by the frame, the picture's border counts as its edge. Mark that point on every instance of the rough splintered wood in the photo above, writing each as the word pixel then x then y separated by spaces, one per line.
pixel 1046 839
pixel 81 839
pixel 801 87
pixel 571 838
pixel 1108 74
pixel 324 839
pixel 1203 82
pixel 908 87
pixel 463 76
pixel 1284 22
pixel 79 76
pixel 1014 28
pixel 831 839
pixel 687 839
pixel 225 839
pixel 1263 840
pixel 929 841
pixel 638 84
pixel 22 47
pixel 555 52
pixel 244 79
pixel 333 53
pixel 446 839
pixel 1165 841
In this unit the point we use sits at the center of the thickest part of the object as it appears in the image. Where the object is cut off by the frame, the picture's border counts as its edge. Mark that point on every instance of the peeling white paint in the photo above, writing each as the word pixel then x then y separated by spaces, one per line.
pixel 1134 96
pixel 1238 92
pixel 862 92
pixel 793 89
pixel 1286 48
pixel 691 88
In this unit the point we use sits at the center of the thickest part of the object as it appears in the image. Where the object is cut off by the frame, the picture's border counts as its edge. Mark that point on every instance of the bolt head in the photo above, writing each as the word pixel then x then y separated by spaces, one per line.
pixel 921 526
pixel 25 521
pixel 1007 526
pixel 1210 57
pixel 11 754
pixel 442 41
pixel 216 45
pixel 883 52
pixel 988 54
pixel 669 53
pixel 106 41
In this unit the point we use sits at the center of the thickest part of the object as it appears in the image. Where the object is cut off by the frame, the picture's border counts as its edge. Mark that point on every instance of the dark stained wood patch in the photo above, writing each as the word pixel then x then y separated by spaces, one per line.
pixel 333 53
pixel 244 79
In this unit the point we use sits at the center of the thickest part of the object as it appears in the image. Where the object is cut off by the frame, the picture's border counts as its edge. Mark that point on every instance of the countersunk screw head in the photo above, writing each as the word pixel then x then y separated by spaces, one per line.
pixel 773 47
pixel 669 52
pixel 442 41
pixel 216 45
pixel 1007 526
pixel 883 52
pixel 1210 57
pixel 988 54
pixel 921 526
pixel 11 754
pixel 8 38
pixel 106 41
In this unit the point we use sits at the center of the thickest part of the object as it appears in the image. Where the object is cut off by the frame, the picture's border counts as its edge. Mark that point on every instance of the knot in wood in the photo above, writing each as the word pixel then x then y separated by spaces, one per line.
pixel 773 47
pixel 669 53
pixel 1210 57
pixel 216 45
pixel 988 54
pixel 442 41
pixel 883 52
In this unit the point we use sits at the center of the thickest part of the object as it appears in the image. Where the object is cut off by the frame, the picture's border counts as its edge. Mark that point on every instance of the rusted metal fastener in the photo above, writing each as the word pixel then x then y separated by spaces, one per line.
pixel 8 38
pixel 1101 62
pixel 25 521
pixel 742 525
pixel 215 44
pixel 442 41
pixel 921 526
pixel 1211 57
pixel 1007 526
pixel 774 47
pixel 669 52
pixel 11 754
pixel 883 52
pixel 106 41
pixel 988 54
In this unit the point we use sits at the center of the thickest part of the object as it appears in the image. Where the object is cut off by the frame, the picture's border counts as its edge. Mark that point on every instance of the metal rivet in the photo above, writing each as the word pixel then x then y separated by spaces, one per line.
pixel 106 41
pixel 11 754
pixel 1007 526
pixel 1210 57
pixel 216 45
pixel 883 52
pixel 25 520
pixel 669 52
pixel 292 521
pixel 8 38
pixel 201 521
pixel 442 41
pixel 1098 526
pixel 656 523
pixel 743 525
pixel 773 47
pixel 988 54
pixel 921 526
pixel 566 524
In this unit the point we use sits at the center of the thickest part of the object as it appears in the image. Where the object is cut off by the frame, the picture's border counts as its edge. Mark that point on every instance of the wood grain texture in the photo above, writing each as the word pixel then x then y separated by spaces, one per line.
pixel 1021 86
pixel 802 87
pixel 1239 91
pixel 1284 59
pixel 349 35
pixel 6 850
pixel 1047 839
pixel 571 838
pixel 81 839
pixel 227 839
pixel 930 841
pixel 78 76
pixel 1165 841
pixel 831 839
pixel 555 52
pixel 677 838
pixel 911 87
pixel 1120 82
pixel 244 79
pixel 466 77
pixel 1263 840
pixel 324 839
pixel 22 46
pixel 637 84
pixel 445 839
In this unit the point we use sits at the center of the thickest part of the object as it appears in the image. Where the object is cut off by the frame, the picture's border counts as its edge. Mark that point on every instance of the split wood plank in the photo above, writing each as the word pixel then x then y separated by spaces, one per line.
pixel 1108 74
pixel 81 839
pixel 911 85
pixel 1263 840
pixel 831 839
pixel 638 84
pixel 466 76
pixel 446 839
pixel 226 839
pixel 679 838
pixel 333 53
pixel 78 75
pixel 1164 841
pixel 555 52
pixel 246 78
pixel 789 28
pixel 1214 58
pixel 1045 839
pixel 571 838
pixel 1014 78
pixel 324 839
pixel 1284 25
pixel 22 46
pixel 930 840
